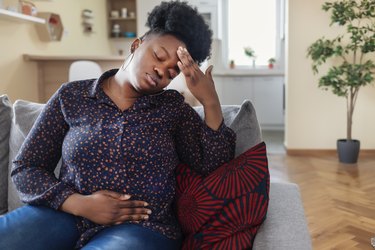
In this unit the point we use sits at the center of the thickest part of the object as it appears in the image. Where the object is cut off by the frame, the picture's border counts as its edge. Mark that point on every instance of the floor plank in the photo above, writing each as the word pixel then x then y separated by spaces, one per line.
pixel 339 199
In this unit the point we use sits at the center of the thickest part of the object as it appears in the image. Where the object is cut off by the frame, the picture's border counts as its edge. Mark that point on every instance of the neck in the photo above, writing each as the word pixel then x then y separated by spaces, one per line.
pixel 121 86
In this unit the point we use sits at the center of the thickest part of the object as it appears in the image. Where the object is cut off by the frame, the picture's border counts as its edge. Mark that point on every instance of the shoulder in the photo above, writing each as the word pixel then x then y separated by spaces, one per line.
pixel 76 89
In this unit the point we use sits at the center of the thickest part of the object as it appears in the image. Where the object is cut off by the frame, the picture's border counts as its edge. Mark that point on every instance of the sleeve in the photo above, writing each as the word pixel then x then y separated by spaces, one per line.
pixel 201 147
pixel 33 167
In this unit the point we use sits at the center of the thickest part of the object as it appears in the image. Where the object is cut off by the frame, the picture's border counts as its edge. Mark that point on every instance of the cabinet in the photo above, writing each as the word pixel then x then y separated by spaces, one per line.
pixel 209 10
pixel 122 19
pixel 52 29
pixel 265 92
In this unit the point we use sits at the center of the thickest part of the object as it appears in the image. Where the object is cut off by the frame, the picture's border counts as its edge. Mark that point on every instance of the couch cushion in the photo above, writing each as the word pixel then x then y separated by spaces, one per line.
pixel 285 227
pixel 5 121
pixel 242 119
pixel 24 116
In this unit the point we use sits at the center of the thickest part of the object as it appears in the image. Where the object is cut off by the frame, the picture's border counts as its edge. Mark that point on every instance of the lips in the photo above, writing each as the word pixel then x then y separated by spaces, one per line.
pixel 151 80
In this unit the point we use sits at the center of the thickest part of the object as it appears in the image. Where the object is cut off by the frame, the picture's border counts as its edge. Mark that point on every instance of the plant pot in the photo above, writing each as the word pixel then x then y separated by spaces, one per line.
pixel 348 150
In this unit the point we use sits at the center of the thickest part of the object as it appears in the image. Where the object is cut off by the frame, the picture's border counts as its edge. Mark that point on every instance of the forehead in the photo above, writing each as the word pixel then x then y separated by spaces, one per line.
pixel 169 42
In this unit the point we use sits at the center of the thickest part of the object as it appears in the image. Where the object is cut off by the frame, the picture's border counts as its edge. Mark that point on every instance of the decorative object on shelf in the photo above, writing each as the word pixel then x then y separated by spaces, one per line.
pixel 231 64
pixel 271 62
pixel 115 14
pixel 116 32
pixel 250 53
pixel 132 14
pixel 28 8
pixel 124 12
pixel 351 66
pixel 52 30
pixel 87 22
pixel 129 34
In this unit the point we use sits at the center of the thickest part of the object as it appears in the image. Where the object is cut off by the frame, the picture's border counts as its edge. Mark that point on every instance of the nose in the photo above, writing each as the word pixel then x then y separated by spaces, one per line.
pixel 159 71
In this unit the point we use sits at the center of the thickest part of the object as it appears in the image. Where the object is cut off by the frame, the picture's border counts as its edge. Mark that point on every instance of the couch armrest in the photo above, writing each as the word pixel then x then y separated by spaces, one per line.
pixel 285 227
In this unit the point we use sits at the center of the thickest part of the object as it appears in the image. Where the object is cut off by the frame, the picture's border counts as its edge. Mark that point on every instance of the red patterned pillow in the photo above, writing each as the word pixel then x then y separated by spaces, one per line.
pixel 225 209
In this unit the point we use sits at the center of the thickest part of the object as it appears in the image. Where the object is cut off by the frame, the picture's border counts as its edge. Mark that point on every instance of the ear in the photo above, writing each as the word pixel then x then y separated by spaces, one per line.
pixel 135 45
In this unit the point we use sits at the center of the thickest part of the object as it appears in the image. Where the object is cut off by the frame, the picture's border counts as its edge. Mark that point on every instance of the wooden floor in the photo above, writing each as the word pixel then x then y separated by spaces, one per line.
pixel 339 199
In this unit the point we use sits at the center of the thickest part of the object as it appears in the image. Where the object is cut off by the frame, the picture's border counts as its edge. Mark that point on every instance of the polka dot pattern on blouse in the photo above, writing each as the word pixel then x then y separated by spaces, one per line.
pixel 103 148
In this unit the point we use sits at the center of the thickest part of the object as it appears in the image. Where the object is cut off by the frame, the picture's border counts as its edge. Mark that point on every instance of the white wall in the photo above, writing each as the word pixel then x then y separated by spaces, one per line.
pixel 19 78
pixel 315 118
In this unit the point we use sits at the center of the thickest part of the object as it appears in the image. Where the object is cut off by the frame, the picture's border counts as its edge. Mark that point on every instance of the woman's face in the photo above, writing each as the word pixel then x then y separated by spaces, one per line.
pixel 154 64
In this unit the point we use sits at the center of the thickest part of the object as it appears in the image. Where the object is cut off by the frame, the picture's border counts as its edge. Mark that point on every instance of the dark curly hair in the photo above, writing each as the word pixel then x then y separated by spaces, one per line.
pixel 185 23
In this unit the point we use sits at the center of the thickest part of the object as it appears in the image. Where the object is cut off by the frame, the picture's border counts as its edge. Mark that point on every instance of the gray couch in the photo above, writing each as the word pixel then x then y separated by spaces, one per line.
pixel 284 229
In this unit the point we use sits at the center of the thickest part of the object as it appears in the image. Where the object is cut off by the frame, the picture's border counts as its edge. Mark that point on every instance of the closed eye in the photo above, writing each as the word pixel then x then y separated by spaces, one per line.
pixel 156 55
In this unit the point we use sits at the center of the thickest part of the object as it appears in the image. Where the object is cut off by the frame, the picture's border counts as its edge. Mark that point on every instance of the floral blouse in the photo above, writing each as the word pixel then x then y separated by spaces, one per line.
pixel 134 152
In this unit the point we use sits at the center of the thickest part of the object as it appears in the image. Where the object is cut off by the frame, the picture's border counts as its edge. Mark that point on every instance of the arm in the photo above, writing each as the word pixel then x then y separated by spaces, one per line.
pixel 201 147
pixel 34 164
pixel 202 86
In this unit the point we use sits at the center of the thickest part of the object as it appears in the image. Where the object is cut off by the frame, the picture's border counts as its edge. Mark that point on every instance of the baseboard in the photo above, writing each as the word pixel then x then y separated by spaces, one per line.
pixel 324 152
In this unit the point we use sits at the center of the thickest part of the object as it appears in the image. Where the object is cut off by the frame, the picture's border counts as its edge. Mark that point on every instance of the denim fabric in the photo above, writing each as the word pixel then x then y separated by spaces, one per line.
pixel 39 228
pixel 130 236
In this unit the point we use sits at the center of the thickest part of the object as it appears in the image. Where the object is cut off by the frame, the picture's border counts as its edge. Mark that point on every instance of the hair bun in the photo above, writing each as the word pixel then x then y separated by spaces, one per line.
pixel 183 21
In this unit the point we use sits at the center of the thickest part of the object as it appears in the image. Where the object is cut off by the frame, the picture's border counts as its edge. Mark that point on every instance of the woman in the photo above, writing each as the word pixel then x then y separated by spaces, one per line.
pixel 120 138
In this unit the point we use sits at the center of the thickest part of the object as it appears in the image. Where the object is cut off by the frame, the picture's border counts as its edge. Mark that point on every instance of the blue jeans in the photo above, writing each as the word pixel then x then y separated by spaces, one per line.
pixel 36 227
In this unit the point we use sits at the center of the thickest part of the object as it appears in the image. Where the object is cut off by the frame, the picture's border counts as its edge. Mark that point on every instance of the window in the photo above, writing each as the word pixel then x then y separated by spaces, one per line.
pixel 257 24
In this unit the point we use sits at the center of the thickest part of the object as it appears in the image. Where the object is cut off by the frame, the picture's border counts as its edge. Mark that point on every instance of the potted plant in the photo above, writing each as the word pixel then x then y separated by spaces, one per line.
pixel 350 64
pixel 271 62
pixel 250 53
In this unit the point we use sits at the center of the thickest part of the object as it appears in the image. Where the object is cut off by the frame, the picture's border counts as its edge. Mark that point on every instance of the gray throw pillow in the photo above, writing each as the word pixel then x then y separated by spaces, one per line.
pixel 5 121
pixel 24 115
pixel 242 119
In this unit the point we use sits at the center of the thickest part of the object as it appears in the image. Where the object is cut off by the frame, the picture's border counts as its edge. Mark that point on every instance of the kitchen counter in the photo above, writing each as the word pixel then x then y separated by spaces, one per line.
pixel 53 70
pixel 38 58
pixel 247 72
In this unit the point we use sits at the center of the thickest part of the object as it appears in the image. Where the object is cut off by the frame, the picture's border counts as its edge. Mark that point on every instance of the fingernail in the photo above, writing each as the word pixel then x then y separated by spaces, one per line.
pixel 146 204
pixel 145 217
pixel 149 211
pixel 185 49
pixel 126 196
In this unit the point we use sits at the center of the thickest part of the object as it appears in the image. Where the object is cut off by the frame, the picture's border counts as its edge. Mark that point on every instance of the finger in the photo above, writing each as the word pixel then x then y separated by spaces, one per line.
pixel 209 71
pixel 132 204
pixel 188 72
pixel 116 195
pixel 141 211
pixel 134 217
pixel 186 58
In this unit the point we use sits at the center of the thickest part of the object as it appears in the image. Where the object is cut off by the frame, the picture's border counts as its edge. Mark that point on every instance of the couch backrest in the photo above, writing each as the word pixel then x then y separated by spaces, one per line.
pixel 241 118
pixel 5 122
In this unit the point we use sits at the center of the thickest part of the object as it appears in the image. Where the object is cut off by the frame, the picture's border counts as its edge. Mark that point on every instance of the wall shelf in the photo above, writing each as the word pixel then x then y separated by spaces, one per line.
pixel 15 16
pixel 122 18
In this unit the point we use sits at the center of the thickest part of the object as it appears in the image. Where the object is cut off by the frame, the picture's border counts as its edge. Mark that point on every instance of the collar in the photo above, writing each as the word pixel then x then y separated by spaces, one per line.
pixel 96 89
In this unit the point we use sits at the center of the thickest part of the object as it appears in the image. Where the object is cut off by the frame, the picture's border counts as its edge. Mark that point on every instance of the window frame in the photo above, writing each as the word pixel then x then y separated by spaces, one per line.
pixel 280 37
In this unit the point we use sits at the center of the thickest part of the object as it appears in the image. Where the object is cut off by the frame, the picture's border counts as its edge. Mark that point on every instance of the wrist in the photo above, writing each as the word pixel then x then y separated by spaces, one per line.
pixel 212 102
pixel 74 204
